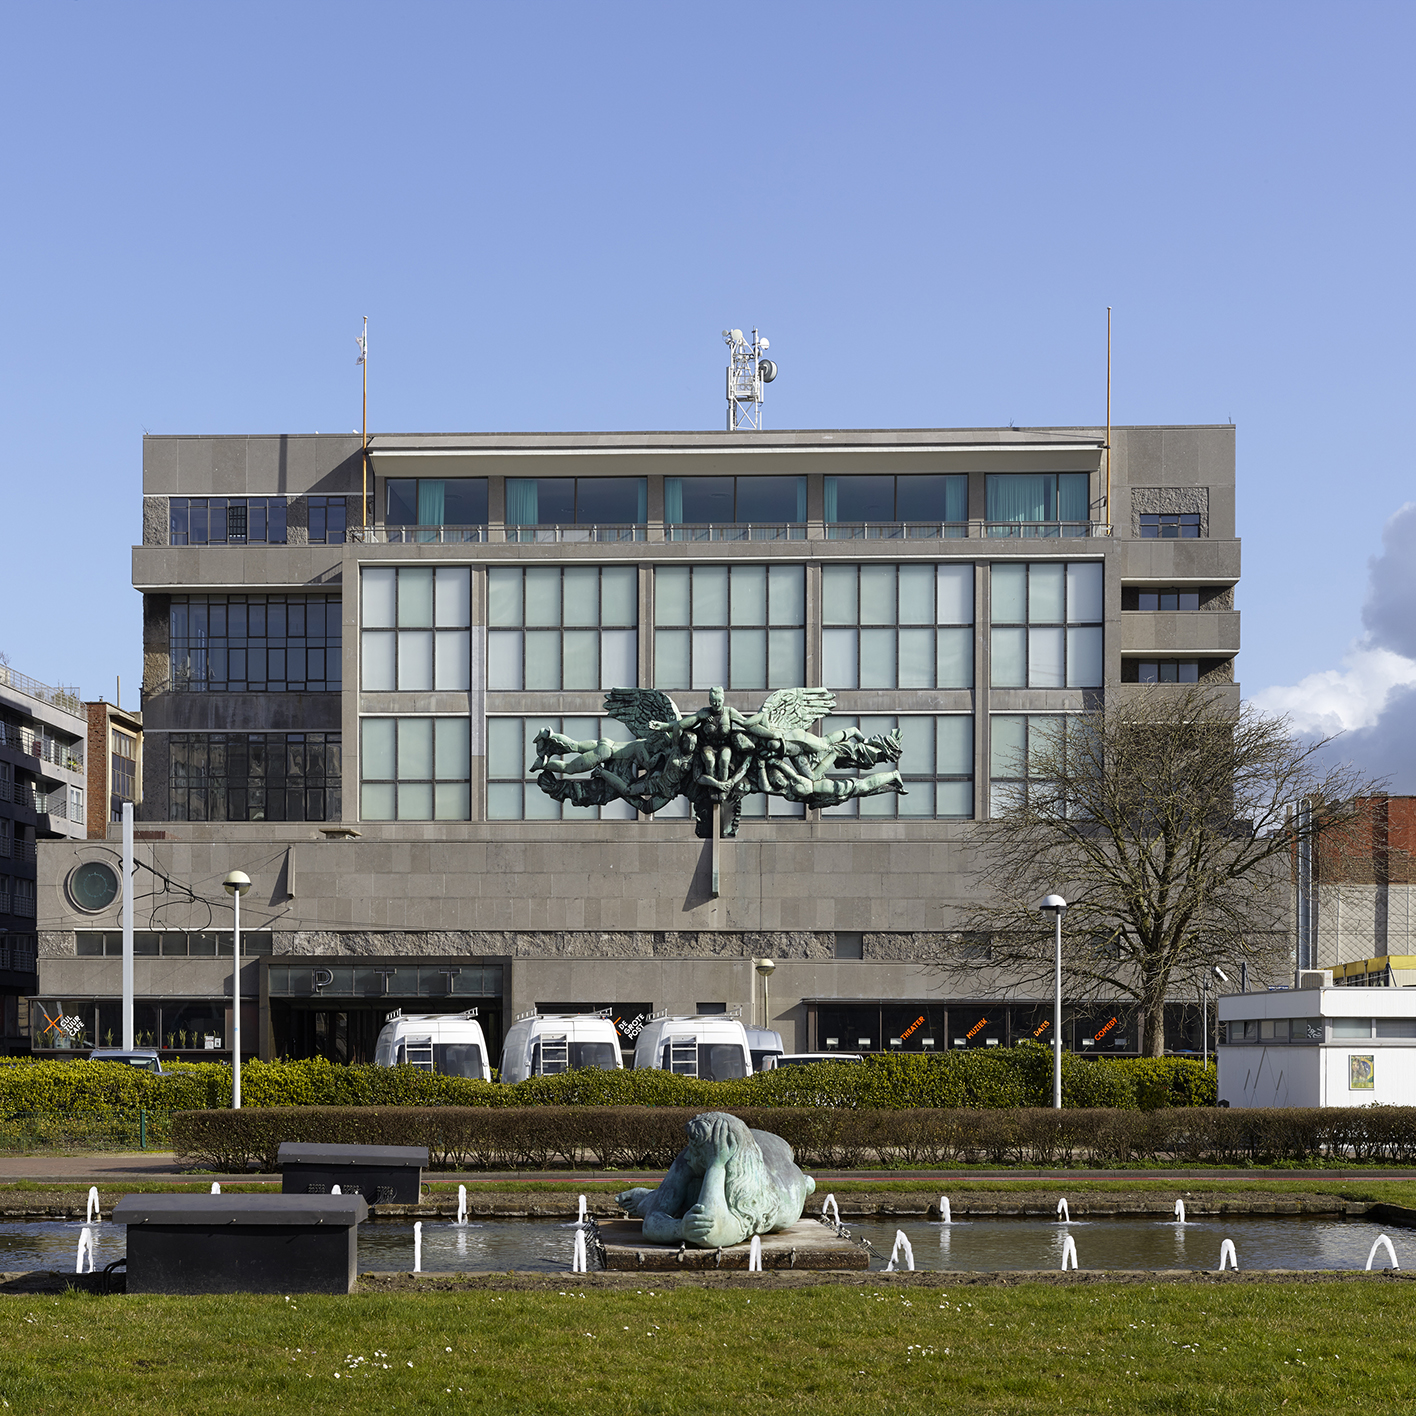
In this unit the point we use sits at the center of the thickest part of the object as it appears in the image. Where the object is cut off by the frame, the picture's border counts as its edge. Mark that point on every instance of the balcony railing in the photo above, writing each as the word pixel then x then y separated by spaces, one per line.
pixel 418 535
pixel 65 698
pixel 17 849
pixel 896 530
pixel 549 534
pixel 741 531
pixel 18 960
pixel 33 744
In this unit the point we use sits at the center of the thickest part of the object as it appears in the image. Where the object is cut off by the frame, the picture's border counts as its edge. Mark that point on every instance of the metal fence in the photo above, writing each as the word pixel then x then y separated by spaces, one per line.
pixel 22 1132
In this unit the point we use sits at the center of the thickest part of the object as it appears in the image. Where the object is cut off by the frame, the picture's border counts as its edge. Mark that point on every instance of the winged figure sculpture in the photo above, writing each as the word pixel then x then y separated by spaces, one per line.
pixel 716 756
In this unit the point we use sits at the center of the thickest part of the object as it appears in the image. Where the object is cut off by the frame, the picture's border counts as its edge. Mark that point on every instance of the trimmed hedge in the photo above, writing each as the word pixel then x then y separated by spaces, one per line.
pixel 541 1137
pixel 995 1077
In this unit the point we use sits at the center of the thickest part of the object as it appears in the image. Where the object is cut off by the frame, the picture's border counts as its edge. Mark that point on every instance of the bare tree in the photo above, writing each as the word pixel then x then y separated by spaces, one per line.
pixel 1168 821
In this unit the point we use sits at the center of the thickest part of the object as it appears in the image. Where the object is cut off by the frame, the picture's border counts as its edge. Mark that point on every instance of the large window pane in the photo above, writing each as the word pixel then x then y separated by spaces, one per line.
pixel 710 594
pixel 415 660
pixel 932 497
pixel 504 801
pixel 465 501
pixel 838 658
pixel 452 801
pixel 953 799
pixel 619 595
pixel 749 650
pixel 706 500
pixel 415 599
pixel 619 658
pixel 1010 594
pixel 543 595
pixel 377 801
pixel 452 596
pixel 582 594
pixel 581 661
pixel 917 594
pixel 749 595
pixel 452 747
pixel 555 501
pixel 504 660
pixel 1010 658
pixel 786 658
pixel 1084 658
pixel 1074 496
pixel 1021 496
pixel 917 745
pixel 956 657
pixel 917 658
pixel 616 501
pixel 378 597
pixel 415 748
pixel 504 595
pixel 954 745
pixel 543 659
pixel 671 658
pixel 917 801
pixel 861 498
pixel 376 749
pixel 877 658
pixel 402 502
pixel 1045 588
pixel 415 801
pixel 770 499
pixel 1008 754
pixel 671 595
pixel 453 660
pixel 504 748
pixel 376 661
pixel 1084 598
pixel 877 594
pixel 710 657
pixel 786 594
pixel 838 594
pixel 1045 648
pixel 956 594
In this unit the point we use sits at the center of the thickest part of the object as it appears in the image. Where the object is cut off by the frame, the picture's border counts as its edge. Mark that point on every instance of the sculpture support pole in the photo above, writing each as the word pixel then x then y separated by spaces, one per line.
pixel 714 849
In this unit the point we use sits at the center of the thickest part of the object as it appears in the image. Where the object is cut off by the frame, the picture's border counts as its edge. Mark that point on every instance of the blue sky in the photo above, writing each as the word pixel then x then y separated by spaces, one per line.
pixel 548 212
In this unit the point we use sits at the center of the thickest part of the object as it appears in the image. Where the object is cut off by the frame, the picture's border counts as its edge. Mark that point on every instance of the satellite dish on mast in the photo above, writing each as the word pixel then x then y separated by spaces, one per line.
pixel 767 369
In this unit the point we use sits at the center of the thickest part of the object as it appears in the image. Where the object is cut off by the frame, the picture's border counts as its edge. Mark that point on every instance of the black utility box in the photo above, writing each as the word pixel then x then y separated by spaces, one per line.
pixel 384 1175
pixel 242 1243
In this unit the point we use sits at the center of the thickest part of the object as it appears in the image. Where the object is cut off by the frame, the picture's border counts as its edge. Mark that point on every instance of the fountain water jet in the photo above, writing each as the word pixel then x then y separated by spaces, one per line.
pixel 216 1187
pixel 578 1260
pixel 1226 1251
pixel 1179 1211
pixel 85 1247
pixel 91 1211
pixel 901 1242
pixel 461 1205
pixel 1380 1240
pixel 1069 1251
pixel 831 1211
pixel 584 1212
pixel 335 1190
pixel 946 1215
pixel 417 1246
pixel 754 1255
pixel 1064 1213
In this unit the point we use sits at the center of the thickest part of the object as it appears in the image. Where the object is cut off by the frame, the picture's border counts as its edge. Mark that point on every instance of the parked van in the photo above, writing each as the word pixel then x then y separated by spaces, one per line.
pixel 543 1044
pixel 708 1045
pixel 450 1044
pixel 765 1045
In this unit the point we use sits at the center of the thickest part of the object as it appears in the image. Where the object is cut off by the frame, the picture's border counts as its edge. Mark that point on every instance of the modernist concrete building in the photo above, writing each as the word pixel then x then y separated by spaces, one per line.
pixel 344 713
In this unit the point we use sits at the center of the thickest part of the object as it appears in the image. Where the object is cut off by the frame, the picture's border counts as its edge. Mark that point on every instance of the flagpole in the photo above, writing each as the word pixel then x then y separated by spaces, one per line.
pixel 364 360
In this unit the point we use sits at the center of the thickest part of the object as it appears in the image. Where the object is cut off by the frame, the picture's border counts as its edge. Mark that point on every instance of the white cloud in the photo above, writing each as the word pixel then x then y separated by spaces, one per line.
pixel 1342 700
pixel 1372 698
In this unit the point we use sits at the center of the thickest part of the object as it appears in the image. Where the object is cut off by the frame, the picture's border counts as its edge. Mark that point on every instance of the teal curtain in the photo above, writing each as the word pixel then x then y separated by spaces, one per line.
pixel 801 499
pixel 1074 496
pixel 643 502
pixel 956 499
pixel 521 501
pixel 431 501
pixel 1021 496
pixel 673 501
pixel 831 500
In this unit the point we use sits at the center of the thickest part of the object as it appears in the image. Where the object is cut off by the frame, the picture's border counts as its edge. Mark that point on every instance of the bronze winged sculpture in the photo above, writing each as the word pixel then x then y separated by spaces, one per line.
pixel 716 756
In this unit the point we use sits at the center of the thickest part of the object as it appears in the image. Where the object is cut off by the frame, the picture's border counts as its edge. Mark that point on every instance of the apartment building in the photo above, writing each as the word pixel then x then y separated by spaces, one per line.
pixel 115 752
pixel 41 798
pixel 346 660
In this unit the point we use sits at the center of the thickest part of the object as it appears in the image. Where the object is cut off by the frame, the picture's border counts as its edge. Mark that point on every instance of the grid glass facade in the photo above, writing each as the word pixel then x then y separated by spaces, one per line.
pixel 254 777
pixel 255 643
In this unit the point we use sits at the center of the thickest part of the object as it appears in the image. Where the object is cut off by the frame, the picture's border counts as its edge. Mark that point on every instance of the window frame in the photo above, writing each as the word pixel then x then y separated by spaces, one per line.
pixel 441 631
pixel 432 781
pixel 1028 626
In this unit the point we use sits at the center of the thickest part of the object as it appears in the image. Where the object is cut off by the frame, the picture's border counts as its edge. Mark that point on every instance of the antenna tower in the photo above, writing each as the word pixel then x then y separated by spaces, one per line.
pixel 749 371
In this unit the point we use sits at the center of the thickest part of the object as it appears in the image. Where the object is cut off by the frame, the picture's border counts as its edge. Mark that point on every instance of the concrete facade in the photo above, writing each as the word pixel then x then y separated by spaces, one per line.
pixel 614 911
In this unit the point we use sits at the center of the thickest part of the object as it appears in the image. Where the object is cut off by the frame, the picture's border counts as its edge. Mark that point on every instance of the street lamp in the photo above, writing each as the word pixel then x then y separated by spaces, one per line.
pixel 236 884
pixel 765 967
pixel 1222 977
pixel 1058 907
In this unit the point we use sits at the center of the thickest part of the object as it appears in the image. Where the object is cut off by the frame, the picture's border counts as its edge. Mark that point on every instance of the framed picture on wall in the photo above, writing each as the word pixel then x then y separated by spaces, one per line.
pixel 1361 1072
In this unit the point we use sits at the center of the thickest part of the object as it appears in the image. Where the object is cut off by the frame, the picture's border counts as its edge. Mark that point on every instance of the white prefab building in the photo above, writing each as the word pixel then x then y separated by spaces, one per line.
pixel 1318 1046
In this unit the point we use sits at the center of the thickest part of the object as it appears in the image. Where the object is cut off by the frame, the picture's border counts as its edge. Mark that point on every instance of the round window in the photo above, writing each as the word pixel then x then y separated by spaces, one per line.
pixel 93 885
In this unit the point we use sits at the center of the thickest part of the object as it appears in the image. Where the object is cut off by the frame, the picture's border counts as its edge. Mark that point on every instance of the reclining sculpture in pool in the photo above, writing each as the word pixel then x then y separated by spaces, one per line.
pixel 727 1184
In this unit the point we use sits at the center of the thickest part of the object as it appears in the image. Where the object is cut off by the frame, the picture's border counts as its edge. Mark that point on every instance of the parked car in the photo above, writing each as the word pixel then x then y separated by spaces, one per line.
pixel 145 1058
pixel 543 1044
pixel 805 1059
pixel 765 1045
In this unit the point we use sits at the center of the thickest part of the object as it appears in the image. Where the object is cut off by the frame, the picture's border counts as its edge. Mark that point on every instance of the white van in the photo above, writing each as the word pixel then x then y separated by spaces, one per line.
pixel 765 1045
pixel 543 1044
pixel 708 1045
pixel 450 1044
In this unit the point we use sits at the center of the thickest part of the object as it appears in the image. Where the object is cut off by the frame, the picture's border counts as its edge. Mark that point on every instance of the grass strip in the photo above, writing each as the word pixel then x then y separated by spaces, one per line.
pixel 1034 1348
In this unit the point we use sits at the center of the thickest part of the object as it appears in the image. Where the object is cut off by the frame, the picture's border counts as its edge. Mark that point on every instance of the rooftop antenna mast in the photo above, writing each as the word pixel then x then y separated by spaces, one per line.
pixel 362 340
pixel 749 371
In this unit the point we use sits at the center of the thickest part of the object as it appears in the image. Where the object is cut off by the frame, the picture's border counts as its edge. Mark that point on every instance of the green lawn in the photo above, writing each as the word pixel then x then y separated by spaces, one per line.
pixel 1321 1347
